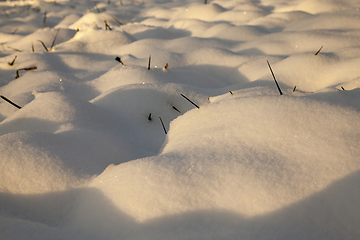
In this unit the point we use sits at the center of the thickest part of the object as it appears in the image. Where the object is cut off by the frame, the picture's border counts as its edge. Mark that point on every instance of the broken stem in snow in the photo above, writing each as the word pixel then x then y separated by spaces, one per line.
pixel 117 20
pixel 15 49
pixel 163 125
pixel 176 109
pixel 12 62
pixel 274 78
pixel 294 89
pixel 189 100
pixel 149 62
pixel 107 26
pixel 44 19
pixel 318 51
pixel 119 60
pixel 44 45
pixel 15 31
pixel 12 103
pixel 26 69
pixel 52 45
pixel 149 117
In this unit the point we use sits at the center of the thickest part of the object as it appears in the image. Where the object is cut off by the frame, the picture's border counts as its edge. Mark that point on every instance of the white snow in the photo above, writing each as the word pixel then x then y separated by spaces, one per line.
pixel 86 156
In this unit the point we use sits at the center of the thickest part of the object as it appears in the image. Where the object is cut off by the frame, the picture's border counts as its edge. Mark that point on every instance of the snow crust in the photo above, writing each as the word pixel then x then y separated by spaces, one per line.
pixel 106 145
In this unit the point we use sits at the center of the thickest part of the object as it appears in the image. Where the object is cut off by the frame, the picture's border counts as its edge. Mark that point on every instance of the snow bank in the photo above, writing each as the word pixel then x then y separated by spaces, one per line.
pixel 255 162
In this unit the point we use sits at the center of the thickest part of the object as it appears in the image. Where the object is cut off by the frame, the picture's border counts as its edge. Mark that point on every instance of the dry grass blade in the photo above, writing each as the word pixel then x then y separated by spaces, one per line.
pixel 119 60
pixel 163 125
pixel 26 69
pixel 9 101
pixel 13 61
pixel 318 51
pixel 176 109
pixel 52 45
pixel 44 19
pixel 15 49
pixel 149 62
pixel 15 30
pixel 189 100
pixel 107 26
pixel 117 20
pixel 46 49
pixel 274 78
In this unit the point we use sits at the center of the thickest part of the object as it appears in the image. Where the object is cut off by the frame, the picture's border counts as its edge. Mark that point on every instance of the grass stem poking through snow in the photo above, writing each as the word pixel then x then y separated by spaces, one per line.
pixel 15 30
pixel 44 19
pixel 294 89
pixel 107 26
pixel 26 69
pixel 117 20
pixel 163 125
pixel 46 49
pixel 32 47
pixel 119 60
pixel 189 100
pixel 53 43
pixel 318 51
pixel 12 103
pixel 149 62
pixel 15 49
pixel 12 62
pixel 166 65
pixel 149 117
pixel 274 78
pixel 231 92
pixel 176 109
pixel 342 88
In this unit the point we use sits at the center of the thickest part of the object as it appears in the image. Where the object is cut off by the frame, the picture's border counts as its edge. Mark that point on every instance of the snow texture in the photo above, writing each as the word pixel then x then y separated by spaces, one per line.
pixel 162 120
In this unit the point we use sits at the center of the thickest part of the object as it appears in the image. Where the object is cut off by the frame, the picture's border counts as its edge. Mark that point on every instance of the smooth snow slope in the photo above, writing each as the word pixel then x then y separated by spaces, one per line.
pixel 86 156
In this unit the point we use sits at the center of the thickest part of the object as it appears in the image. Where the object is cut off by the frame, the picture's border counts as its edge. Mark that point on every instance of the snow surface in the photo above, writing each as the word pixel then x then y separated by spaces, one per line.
pixel 87 157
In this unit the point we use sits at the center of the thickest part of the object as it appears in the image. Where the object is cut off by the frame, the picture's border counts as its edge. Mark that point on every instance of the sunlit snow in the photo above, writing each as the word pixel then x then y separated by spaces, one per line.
pixel 161 119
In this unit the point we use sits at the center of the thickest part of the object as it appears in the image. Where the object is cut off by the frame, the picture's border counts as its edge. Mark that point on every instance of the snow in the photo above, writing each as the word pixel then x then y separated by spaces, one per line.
pixel 87 157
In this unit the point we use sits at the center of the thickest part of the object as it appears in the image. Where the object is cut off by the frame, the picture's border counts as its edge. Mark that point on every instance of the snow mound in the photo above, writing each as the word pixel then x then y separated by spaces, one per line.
pixel 270 159
pixel 27 169
pixel 96 41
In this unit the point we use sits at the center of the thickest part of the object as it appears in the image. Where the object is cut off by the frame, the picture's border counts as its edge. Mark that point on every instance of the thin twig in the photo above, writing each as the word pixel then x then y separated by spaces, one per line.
pixel 163 125
pixel 149 62
pixel 107 26
pixel 44 19
pixel 176 109
pixel 117 20
pixel 52 45
pixel 44 45
pixel 318 51
pixel 15 49
pixel 189 100
pixel 26 69
pixel 274 78
pixel 13 61
pixel 15 30
pixel 12 103
pixel 119 60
